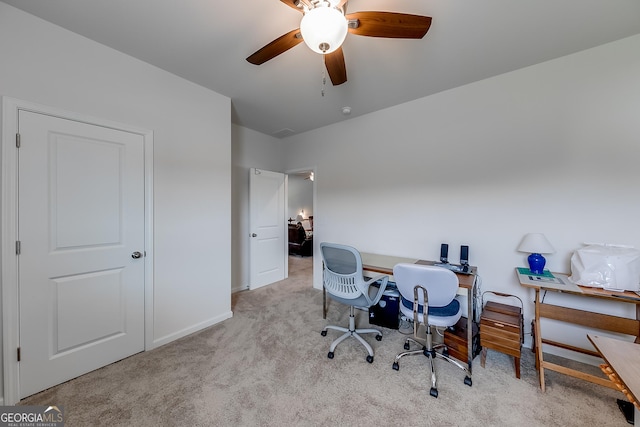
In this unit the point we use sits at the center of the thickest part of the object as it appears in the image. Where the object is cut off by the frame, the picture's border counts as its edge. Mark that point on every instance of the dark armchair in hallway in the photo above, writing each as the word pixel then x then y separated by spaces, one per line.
pixel 299 243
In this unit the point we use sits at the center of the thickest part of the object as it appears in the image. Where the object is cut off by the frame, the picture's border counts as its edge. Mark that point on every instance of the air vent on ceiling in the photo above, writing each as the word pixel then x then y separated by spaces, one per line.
pixel 283 132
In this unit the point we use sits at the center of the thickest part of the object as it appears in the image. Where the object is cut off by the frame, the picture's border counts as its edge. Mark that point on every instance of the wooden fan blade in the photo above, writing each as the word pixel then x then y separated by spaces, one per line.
pixel 291 3
pixel 336 67
pixel 276 47
pixel 390 25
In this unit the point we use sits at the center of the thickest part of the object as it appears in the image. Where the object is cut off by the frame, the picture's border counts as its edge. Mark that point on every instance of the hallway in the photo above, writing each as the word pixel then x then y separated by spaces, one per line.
pixel 301 270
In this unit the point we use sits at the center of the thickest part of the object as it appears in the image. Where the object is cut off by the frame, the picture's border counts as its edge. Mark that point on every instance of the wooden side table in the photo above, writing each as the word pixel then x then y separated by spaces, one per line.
pixel 501 330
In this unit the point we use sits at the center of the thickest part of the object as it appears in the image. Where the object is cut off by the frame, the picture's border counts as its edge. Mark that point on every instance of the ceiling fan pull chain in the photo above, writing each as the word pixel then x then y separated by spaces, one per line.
pixel 324 76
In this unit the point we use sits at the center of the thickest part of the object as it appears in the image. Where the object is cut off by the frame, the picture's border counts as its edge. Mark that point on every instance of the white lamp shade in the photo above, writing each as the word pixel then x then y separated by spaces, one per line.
pixel 323 29
pixel 535 243
pixel 299 218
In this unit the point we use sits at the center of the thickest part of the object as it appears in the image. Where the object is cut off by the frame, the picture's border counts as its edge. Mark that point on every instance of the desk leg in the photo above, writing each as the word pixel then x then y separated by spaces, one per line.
pixel 470 318
pixel 324 303
pixel 637 340
pixel 538 343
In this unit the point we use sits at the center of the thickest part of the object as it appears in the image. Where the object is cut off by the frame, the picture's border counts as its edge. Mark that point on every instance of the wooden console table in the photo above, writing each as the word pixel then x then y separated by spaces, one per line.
pixel 574 316
pixel 384 264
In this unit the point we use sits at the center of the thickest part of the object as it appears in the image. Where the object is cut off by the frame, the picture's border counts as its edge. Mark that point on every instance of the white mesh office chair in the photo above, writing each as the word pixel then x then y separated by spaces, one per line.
pixel 344 282
pixel 429 290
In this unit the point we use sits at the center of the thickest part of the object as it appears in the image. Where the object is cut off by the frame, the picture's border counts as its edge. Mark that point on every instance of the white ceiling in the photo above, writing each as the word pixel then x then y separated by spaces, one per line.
pixel 207 41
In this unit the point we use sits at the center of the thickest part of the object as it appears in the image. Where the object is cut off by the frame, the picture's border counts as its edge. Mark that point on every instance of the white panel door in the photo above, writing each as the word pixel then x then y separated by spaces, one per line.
pixel 268 245
pixel 81 222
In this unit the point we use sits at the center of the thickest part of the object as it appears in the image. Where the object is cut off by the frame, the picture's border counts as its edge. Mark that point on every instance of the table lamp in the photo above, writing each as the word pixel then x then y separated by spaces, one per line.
pixel 536 244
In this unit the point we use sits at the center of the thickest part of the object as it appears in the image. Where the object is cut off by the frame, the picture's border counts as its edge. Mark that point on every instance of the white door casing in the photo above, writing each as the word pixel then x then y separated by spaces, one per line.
pixel 82 210
pixel 267 219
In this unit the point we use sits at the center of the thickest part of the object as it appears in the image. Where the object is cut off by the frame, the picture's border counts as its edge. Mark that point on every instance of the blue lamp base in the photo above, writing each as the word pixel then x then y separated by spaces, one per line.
pixel 536 263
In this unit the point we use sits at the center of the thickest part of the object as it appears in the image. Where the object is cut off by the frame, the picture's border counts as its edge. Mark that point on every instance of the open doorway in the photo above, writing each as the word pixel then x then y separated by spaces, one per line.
pixel 300 214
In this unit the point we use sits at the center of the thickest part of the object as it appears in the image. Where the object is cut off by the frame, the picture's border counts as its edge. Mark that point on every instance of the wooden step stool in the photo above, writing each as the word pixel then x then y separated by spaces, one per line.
pixel 501 330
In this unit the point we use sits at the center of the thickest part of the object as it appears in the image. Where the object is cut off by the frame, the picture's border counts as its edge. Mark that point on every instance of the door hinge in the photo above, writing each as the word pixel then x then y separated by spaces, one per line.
pixel 18 354
pixel 17 140
pixel 18 247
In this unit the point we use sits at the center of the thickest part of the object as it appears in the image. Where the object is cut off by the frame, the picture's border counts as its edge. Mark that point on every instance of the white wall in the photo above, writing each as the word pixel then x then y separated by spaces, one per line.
pixel 552 148
pixel 300 198
pixel 45 64
pixel 250 149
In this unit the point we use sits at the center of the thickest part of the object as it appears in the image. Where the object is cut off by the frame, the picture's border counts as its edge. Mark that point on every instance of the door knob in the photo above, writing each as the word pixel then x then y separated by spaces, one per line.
pixel 254 235
pixel 136 255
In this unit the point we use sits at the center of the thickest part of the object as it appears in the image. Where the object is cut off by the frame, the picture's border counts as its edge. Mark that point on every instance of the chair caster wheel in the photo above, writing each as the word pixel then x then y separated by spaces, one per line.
pixel 379 337
pixel 323 333
pixel 407 346
pixel 467 381
pixel 434 392
pixel 396 366
pixel 370 359
pixel 330 355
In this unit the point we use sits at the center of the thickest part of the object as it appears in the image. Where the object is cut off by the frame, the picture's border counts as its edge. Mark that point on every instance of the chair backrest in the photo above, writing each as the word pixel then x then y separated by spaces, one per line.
pixel 342 270
pixel 441 284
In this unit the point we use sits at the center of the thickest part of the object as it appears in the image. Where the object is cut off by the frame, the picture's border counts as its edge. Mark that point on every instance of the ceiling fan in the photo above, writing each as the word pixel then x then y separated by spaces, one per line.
pixel 324 26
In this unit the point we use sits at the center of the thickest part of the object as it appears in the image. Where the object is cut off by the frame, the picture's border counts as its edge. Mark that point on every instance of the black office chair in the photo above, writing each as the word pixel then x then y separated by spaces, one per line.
pixel 429 290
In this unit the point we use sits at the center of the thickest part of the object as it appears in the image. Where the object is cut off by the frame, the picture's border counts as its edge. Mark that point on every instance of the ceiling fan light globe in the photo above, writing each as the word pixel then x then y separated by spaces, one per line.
pixel 323 29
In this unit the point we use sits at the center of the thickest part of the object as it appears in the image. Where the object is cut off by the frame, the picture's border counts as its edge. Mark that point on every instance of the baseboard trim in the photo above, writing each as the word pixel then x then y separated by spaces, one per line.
pixel 190 330
pixel 239 288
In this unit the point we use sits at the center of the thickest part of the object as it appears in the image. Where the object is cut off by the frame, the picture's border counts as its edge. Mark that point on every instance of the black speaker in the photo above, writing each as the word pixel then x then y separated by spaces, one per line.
pixel 444 253
pixel 464 255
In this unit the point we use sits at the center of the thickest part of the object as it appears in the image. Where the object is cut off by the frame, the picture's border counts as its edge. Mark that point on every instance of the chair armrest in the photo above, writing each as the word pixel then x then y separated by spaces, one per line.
pixel 383 287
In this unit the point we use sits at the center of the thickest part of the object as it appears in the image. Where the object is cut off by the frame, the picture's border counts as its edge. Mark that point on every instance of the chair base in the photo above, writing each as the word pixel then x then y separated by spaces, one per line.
pixel 429 350
pixel 354 332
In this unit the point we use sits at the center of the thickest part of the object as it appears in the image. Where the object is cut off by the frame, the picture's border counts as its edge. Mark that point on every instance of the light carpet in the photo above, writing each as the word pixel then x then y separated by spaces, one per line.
pixel 268 366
